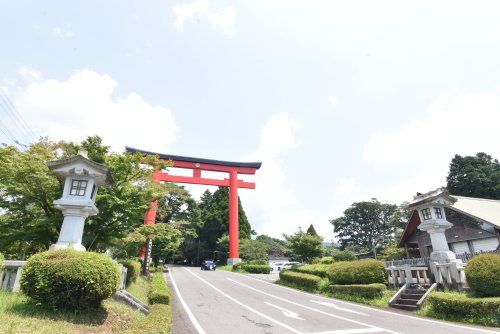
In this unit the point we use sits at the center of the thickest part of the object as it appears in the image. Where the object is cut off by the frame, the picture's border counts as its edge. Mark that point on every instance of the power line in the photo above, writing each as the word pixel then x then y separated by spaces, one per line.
pixel 18 114
pixel 16 119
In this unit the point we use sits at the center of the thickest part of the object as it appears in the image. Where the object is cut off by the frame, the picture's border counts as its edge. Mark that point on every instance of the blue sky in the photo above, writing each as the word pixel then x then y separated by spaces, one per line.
pixel 341 101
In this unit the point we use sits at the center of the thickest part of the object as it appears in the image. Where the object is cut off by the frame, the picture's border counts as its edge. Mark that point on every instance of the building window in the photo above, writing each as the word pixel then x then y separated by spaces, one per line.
pixel 426 213
pixel 78 187
pixel 439 213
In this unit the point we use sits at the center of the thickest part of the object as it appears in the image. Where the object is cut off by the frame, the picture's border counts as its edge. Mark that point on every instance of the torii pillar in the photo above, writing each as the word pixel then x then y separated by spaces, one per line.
pixel 197 165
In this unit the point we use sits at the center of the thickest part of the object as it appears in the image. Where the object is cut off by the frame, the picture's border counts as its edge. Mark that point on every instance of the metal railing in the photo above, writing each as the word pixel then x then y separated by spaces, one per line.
pixel 465 257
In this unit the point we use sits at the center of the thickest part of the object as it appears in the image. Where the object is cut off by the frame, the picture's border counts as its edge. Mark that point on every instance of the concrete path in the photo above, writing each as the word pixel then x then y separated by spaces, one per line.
pixel 222 302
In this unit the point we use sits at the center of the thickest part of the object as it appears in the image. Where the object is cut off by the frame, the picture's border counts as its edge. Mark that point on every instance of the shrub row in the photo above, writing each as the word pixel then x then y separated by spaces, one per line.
pixel 313 269
pixel 158 321
pixel 483 274
pixel 1 260
pixel 357 272
pixel 253 268
pixel 462 306
pixel 365 290
pixel 68 279
pixel 133 269
pixel 305 280
pixel 160 292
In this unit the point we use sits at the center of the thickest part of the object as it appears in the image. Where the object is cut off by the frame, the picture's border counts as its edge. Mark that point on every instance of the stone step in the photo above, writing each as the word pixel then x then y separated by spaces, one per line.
pixel 407 301
pixel 405 307
pixel 415 291
pixel 411 296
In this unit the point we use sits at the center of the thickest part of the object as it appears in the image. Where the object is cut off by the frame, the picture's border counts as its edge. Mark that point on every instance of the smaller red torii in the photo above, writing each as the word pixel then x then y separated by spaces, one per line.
pixel 197 165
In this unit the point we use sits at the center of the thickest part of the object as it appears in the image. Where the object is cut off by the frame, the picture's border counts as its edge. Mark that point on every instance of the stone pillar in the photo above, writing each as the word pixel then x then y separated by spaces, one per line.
pixel 441 251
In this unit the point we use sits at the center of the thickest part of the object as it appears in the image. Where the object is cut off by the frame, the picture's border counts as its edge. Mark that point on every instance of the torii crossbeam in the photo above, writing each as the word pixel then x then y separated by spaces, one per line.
pixel 198 165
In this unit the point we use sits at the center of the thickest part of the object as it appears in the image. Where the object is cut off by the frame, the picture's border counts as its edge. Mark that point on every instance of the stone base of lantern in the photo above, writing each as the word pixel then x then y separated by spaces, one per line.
pixel 68 245
pixel 443 256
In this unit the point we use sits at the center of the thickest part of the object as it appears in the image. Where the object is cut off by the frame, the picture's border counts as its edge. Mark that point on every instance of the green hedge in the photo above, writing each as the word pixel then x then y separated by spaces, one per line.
pixel 313 269
pixel 305 280
pixel 365 290
pixel 68 279
pixel 133 269
pixel 160 292
pixel 343 255
pixel 1 260
pixel 461 306
pixel 357 272
pixel 253 268
pixel 483 274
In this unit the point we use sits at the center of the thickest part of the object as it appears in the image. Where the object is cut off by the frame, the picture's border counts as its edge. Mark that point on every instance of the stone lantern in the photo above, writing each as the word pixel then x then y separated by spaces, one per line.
pixel 430 207
pixel 82 178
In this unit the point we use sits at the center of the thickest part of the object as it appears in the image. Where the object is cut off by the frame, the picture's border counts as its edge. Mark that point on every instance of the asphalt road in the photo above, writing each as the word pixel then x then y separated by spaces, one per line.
pixel 224 302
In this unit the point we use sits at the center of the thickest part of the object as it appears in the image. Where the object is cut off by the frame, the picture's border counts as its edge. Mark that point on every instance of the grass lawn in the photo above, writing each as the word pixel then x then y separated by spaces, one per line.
pixel 226 268
pixel 139 289
pixel 18 315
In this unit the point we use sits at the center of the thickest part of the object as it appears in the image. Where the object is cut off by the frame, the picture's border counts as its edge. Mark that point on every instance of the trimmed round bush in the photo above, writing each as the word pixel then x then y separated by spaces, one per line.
pixel 68 279
pixel 483 274
pixel 327 260
pixel 133 269
pixel 365 290
pixel 357 272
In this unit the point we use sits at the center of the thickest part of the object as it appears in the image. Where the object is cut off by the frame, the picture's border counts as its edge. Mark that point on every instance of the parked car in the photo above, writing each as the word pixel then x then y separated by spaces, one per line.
pixel 208 265
pixel 283 265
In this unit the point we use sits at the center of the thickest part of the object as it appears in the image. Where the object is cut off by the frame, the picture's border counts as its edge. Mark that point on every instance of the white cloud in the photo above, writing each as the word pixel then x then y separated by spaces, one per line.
pixel 346 185
pixel 333 100
pixel 419 152
pixel 272 207
pixel 462 124
pixel 63 32
pixel 187 12
pixel 84 105
pixel 200 10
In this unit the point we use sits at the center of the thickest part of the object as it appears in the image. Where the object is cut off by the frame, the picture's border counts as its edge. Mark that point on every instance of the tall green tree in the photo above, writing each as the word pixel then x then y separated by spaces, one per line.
pixel 311 230
pixel 368 226
pixel 304 245
pixel 474 176
pixel 215 218
pixel 30 223
pixel 253 250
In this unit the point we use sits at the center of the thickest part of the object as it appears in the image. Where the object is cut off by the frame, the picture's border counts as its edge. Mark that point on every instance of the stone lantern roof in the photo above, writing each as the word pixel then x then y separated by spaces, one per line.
pixel 81 165
pixel 438 196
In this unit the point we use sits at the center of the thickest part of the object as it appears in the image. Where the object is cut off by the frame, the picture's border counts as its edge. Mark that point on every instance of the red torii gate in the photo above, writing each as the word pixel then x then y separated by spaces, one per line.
pixel 197 165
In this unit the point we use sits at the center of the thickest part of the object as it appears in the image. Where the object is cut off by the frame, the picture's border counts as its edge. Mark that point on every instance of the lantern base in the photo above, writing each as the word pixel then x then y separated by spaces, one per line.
pixel 68 245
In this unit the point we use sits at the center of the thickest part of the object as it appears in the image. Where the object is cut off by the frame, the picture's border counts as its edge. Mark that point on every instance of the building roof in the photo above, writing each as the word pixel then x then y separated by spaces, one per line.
pixel 255 165
pixel 486 210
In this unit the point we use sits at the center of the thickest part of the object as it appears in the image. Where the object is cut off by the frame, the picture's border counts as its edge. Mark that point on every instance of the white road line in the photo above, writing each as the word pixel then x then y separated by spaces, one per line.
pixel 286 312
pixel 370 308
pixel 195 322
pixel 352 331
pixel 336 307
pixel 243 305
pixel 309 308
